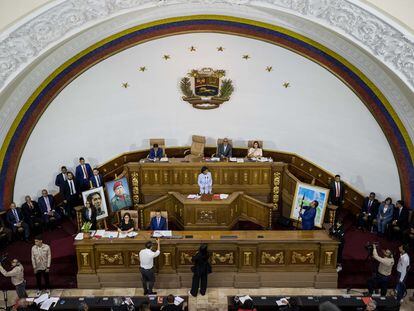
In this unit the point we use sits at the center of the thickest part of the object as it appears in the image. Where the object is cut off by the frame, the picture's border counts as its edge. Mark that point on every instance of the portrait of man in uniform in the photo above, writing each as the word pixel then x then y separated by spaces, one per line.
pixel 118 192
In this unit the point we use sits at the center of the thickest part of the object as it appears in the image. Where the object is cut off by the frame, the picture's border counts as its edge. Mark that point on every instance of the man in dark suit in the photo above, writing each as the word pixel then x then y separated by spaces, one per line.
pixel 71 195
pixel 96 179
pixel 48 209
pixel 158 222
pixel 61 179
pixel 31 213
pixel 368 213
pixel 337 192
pixel 83 173
pixel 399 221
pixel 155 152
pixel 16 221
pixel 224 150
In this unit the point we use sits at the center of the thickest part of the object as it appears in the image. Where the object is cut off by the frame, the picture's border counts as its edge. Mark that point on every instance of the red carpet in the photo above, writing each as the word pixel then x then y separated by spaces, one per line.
pixel 63 268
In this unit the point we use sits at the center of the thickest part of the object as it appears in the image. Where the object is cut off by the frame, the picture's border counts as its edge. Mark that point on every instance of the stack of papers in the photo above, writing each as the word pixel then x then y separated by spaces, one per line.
pixel 79 236
pixel 242 299
pixel 122 235
pixel 162 233
pixel 49 303
pixel 165 159
pixel 110 234
pixel 178 300
pixel 223 196
pixel 233 159
pixel 241 160
pixel 193 196
pixel 132 234
pixel 282 302
pixel 215 159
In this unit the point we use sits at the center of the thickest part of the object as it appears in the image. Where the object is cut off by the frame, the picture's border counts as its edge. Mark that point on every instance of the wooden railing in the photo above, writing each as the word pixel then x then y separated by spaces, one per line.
pixel 299 168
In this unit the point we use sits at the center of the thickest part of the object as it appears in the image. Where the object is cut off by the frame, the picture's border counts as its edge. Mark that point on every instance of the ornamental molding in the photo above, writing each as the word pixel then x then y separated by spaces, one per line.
pixel 382 37
pixel 13 99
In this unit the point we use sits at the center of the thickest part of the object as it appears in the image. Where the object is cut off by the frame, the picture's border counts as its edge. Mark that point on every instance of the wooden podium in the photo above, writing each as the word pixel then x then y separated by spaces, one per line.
pixel 209 212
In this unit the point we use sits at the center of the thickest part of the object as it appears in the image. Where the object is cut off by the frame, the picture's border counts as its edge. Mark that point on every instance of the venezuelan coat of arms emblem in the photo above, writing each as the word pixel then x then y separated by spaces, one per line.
pixel 206 88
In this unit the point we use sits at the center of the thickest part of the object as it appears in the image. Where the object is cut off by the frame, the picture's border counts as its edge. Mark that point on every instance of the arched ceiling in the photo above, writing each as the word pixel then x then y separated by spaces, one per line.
pixel 372 42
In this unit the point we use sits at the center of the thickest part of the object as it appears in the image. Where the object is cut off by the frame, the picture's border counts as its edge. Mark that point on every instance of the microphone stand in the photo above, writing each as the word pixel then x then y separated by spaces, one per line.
pixel 300 211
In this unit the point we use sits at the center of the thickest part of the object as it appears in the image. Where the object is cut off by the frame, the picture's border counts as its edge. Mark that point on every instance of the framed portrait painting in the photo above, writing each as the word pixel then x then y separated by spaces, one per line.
pixel 96 198
pixel 118 194
pixel 307 193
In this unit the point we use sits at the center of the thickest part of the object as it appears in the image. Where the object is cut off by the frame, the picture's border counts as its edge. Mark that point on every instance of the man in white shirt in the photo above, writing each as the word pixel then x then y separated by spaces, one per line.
pixel 146 258
pixel 205 182
pixel 402 268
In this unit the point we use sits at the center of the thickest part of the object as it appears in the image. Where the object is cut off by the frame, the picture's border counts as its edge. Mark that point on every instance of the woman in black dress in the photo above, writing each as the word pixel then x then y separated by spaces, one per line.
pixel 200 270
pixel 127 224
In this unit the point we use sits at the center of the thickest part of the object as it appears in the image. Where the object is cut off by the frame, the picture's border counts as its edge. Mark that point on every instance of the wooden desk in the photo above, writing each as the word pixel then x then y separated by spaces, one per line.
pixel 195 214
pixel 244 259
pixel 159 178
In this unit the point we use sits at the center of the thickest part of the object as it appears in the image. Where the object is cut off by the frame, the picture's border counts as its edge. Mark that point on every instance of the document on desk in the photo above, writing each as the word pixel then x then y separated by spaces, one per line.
pixel 99 233
pixel 111 234
pixel 122 235
pixel 193 196
pixel 233 159
pixel 240 160
pixel 48 303
pixel 162 233
pixel 79 236
pixel 178 300
pixel 223 196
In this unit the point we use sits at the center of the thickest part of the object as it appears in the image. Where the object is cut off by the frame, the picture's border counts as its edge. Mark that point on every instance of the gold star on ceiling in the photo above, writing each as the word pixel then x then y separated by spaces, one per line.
pixel 125 85
pixel 220 49
pixel 166 57
pixel 193 48
pixel 286 84
pixel 246 57
pixel 269 68
pixel 142 69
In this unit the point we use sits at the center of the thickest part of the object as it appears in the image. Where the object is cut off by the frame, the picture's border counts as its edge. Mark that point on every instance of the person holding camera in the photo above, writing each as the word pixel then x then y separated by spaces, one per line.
pixel 382 276
pixel 17 277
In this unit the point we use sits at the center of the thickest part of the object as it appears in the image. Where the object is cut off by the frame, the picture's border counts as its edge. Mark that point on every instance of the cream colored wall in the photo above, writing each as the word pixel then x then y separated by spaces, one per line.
pixel 402 10
pixel 11 10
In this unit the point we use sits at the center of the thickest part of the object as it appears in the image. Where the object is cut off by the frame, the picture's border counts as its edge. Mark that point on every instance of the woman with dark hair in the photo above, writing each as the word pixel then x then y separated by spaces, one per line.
pixel 384 216
pixel 205 182
pixel 127 224
pixel 200 270
pixel 255 151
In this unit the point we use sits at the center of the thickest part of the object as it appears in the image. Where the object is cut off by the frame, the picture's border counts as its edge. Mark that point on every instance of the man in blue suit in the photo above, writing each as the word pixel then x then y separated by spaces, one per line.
pixel 155 152
pixel 16 221
pixel 308 215
pixel 96 179
pixel 158 222
pixel 47 208
pixel 83 173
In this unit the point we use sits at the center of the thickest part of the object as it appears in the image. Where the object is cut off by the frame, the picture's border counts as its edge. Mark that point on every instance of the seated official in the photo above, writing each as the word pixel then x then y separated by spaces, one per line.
pixel 308 215
pixel 385 214
pixel 408 234
pixel 399 221
pixel 369 212
pixel 248 305
pixel 50 214
pixel 255 151
pixel 205 182
pixel 155 152
pixel 127 224
pixel 158 222
pixel 31 213
pixel 224 150
pixel 89 214
pixel 16 221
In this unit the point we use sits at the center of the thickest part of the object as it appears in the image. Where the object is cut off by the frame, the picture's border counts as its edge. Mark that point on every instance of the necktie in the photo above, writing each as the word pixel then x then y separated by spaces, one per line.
pixel 97 181
pixel 71 187
pixel 158 222
pixel 337 189
pixel 85 173
pixel 47 204
pixel 16 216
pixel 64 177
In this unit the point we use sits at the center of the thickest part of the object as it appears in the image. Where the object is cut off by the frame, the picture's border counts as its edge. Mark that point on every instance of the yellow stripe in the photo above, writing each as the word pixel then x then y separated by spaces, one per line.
pixel 376 91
